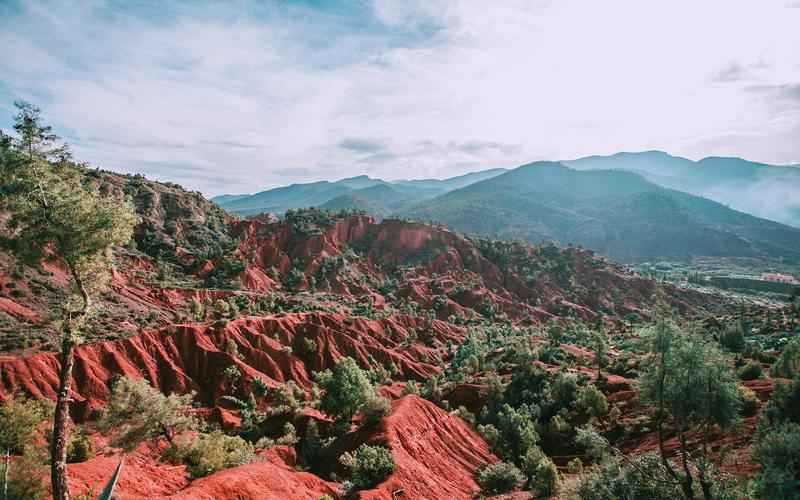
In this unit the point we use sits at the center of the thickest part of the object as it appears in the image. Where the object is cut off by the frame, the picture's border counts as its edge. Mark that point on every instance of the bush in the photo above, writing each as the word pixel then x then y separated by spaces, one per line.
pixel 778 452
pixel 749 400
pixel 347 389
pixel 788 364
pixel 411 387
pixel 499 477
pixel 79 447
pixel 25 477
pixel 368 465
pixel 374 409
pixel 546 479
pixel 784 404
pixel 20 419
pixel 216 451
pixel 517 432
pixel 732 337
pixel 591 401
pixel 575 466
pixel 751 371
pixel 137 412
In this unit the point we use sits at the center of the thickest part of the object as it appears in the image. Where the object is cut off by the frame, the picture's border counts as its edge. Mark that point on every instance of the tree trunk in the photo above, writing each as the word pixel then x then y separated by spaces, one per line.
pixel 58 453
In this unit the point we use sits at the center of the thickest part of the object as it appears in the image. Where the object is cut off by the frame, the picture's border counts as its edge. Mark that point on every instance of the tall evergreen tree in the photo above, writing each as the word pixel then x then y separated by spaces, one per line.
pixel 56 213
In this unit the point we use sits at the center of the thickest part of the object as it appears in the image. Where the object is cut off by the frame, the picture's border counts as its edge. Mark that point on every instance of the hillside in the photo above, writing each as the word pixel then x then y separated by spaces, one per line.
pixel 616 213
pixel 208 304
pixel 768 191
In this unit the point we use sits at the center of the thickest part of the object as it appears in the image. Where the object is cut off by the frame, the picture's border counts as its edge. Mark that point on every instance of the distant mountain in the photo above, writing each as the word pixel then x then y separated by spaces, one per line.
pixel 454 182
pixel 378 200
pixel 227 198
pixel 618 213
pixel 348 193
pixel 768 191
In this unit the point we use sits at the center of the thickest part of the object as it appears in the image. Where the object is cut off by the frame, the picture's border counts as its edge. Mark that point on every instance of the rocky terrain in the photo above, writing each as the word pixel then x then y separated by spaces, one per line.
pixel 200 295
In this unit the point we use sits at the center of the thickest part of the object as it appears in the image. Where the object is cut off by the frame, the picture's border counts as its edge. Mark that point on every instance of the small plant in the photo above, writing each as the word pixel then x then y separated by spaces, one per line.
pixel 216 451
pixel 575 466
pixel 499 477
pixel 751 371
pixel 368 465
pixel 79 448
pixel 749 401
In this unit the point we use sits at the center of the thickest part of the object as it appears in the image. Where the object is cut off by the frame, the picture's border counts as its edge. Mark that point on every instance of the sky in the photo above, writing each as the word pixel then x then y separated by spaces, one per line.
pixel 241 96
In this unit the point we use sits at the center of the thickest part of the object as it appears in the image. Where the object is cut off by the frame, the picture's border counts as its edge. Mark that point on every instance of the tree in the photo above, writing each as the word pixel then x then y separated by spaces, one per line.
pixel 138 412
pixel 347 388
pixel 56 212
pixel 368 465
pixel 692 387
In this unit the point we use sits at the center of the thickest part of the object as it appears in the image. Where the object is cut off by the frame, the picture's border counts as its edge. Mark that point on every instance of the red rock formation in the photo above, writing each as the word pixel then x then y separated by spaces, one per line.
pixel 436 454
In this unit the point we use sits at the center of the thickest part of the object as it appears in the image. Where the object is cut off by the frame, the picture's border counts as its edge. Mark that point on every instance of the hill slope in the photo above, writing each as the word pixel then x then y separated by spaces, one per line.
pixel 617 213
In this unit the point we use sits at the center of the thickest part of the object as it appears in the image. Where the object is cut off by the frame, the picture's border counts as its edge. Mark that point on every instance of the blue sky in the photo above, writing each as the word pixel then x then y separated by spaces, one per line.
pixel 247 95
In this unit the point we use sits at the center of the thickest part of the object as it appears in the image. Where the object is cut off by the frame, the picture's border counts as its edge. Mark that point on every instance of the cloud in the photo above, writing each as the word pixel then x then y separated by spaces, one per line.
pixel 275 92
pixel 732 72
pixel 362 145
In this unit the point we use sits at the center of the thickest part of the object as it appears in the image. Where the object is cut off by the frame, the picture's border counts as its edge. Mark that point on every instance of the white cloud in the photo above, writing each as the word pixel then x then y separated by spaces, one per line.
pixel 227 101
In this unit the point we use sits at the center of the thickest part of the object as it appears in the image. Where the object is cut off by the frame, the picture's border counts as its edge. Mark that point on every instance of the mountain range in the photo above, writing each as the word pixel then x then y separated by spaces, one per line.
pixel 630 206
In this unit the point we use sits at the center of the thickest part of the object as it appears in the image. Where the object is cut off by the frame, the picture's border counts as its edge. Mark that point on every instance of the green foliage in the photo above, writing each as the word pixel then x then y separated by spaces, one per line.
pixel 374 409
pixel 20 421
pixel 79 447
pixel 25 477
pixel 690 380
pixel 137 412
pixel 368 465
pixel 294 279
pixel 749 400
pixel 347 388
pixel 591 401
pixel 732 337
pixel 575 466
pixel 213 452
pixel 751 371
pixel 223 272
pixel 788 364
pixel 547 480
pixel 517 432
pixel 778 453
pixel 784 404
pixel 641 478
pixel 499 477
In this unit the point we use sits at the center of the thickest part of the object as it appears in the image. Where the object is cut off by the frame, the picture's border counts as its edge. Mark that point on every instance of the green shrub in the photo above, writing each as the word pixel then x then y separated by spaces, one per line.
pixel 788 364
pixel 778 453
pixel 732 337
pixel 374 409
pixel 79 447
pixel 213 452
pixel 368 465
pixel 592 401
pixel 749 400
pixel 751 371
pixel 546 480
pixel 411 387
pixel 20 420
pixel 784 404
pixel 575 466
pixel 347 389
pixel 499 477
pixel 25 477
pixel 137 412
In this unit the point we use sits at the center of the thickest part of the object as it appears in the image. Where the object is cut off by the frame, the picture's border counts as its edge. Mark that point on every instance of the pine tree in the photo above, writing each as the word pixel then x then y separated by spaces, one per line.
pixel 57 213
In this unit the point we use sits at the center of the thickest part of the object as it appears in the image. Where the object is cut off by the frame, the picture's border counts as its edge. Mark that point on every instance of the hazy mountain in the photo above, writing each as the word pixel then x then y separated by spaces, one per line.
pixel 768 191
pixel 618 213
pixel 320 193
